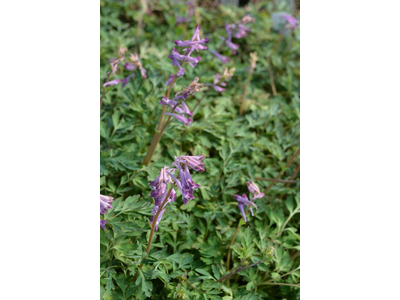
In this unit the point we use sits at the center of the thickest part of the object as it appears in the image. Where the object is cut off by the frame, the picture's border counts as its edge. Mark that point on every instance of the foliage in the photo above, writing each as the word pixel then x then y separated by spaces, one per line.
pixel 189 250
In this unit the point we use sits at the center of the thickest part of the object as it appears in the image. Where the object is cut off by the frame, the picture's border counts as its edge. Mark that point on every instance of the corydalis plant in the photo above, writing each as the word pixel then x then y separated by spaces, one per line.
pixel 244 201
pixel 183 112
pixel 183 180
pixel 105 203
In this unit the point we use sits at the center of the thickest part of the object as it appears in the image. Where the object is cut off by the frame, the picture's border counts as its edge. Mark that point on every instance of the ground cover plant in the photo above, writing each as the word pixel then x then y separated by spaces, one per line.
pixel 200 151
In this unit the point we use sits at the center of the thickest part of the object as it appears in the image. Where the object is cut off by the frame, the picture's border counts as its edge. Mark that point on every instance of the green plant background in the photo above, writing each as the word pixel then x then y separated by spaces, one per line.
pixel 192 241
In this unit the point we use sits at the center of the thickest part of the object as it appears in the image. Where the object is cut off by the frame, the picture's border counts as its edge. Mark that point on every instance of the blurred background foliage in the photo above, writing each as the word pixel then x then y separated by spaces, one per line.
pixel 190 248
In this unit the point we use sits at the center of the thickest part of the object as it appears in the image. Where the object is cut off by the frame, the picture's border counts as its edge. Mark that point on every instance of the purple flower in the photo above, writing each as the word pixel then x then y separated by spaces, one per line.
pixel 175 62
pixel 130 66
pixel 241 31
pixel 159 192
pixel 124 81
pixel 247 19
pixel 103 224
pixel 224 59
pixel 292 21
pixel 187 184
pixel 192 61
pixel 180 109
pixel 159 185
pixel 105 203
pixel 190 90
pixel 181 118
pixel 137 63
pixel 172 197
pixel 254 190
pixel 232 46
pixel 195 43
pixel 215 86
pixel 169 102
pixel 195 162
pixel 242 201
pixel 171 77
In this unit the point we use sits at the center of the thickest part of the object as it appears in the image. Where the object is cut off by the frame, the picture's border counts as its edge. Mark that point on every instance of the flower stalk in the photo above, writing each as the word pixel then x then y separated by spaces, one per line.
pixel 178 60
pixel 154 223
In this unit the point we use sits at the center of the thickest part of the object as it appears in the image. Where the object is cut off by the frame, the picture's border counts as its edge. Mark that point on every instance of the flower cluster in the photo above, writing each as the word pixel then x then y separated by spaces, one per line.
pixel 179 59
pixel 105 203
pixel 185 184
pixel 130 66
pixel 228 73
pixel 237 30
pixel 182 109
pixel 180 20
pixel 244 201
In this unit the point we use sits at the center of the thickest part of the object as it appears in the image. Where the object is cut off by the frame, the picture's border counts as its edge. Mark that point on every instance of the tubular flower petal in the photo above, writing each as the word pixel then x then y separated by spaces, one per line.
pixel 159 192
pixel 195 43
pixel 242 201
pixel 171 77
pixel 254 190
pixel 103 224
pixel 195 162
pixel 136 62
pixel 292 21
pixel 105 204
pixel 181 118
pixel 222 58
pixel 232 46
pixel 124 81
